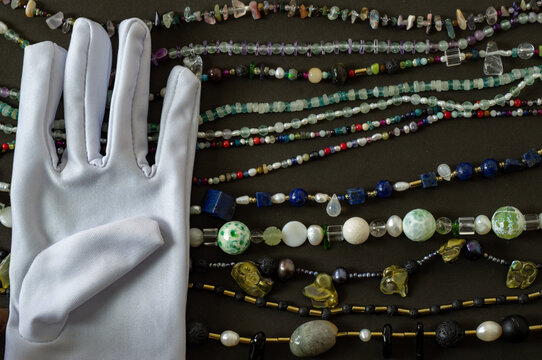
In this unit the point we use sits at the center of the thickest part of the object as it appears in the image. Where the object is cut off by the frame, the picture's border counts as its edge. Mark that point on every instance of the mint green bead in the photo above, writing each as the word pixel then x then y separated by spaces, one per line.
pixel 505 25
pixel 488 31
pixel 397 100
pixel 365 108
pixel 244 132
pixel 523 18
pixel 421 47
pixel 419 225
pixel 450 105
pixel 328 47
pixel 185 51
pixel 507 222
pixel 462 43
pixel 432 101
pixel 408 46
pixel 455 114
pixel 211 48
pixel 514 90
pixel 415 99
pixel 330 115
pixel 529 79
pixel 289 49
pixel 443 45
pixel 382 46
pixel 382 104
pixel 440 115
pixel 291 137
pixel 296 124
pixel 467 106
pixel 302 49
pixel 312 119
pixel 500 100
pixel 484 104
pixel 395 48
pixel 356 46
pixel 316 48
pixel 343 46
pixel 234 237
pixel 369 47
pixel 423 61
pixel 347 112
pixel 224 46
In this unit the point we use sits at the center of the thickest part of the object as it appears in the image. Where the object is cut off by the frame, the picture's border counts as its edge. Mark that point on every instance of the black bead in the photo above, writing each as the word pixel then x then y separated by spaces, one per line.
pixel 419 341
pixel 200 266
pixel 386 340
pixel 283 305
pixel 435 309
pixel 197 333
pixel 219 290
pixel 501 299
pixel 260 302
pixel 215 74
pixel 414 313
pixel 304 311
pixel 347 308
pixel 198 285
pixel 370 309
pixel 268 266
pixel 392 66
pixel 257 346
pixel 478 301
pixel 515 328
pixel 326 314
pixel 241 71
pixel 449 333
pixel 340 275
pixel 457 305
pixel 286 269
pixel 473 250
pixel 239 296
pixel 411 266
pixel 523 299
pixel 339 74
pixel 391 310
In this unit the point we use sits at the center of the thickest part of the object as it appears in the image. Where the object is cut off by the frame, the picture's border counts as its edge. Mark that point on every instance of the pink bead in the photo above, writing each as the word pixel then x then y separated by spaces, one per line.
pixel 437 58
pixel 253 5
pixel 305 75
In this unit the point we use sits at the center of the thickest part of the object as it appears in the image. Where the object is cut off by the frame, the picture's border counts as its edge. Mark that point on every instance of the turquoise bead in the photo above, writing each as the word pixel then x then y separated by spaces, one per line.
pixel 508 222
pixel 234 237
pixel 419 225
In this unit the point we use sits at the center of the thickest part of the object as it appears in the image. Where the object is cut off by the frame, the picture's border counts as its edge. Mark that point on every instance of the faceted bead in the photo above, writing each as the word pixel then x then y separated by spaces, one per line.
pixel 384 189
pixel 521 274
pixel 429 180
pixel 234 237
pixel 464 171
pixel 444 171
pixel 473 250
pixel 491 15
pixel 492 61
pixel 466 225
pixel 239 8
pixel 54 21
pixel 488 331
pixel 195 64
pixel 513 165
pixel 248 277
pixel 448 333
pixel 272 236
pixel 339 74
pixel 315 75
pixel 490 168
pixel 394 226
pixel 257 346
pixel 298 197
pixel 229 338
pixel 443 225
pixel 525 51
pixel 333 208
pixel 507 222
pixel 313 338
pixel 356 196
pixel 531 158
pixel 286 269
pixel 451 250
pixel 294 233
pixel 196 237
pixel 394 281
pixel 315 235
pixel 515 328
pixel 482 225
pixel 374 19
pixel 461 22
pixel 377 228
pixel 322 292
pixel 356 230
pixel 419 225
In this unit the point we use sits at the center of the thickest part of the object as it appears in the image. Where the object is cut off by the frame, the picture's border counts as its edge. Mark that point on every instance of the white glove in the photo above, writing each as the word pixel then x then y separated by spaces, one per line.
pixel 99 261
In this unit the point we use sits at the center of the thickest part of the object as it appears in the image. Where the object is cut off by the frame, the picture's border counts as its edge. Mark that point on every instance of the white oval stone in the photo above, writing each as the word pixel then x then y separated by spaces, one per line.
pixel 394 226
pixel 196 237
pixel 229 338
pixel 356 230
pixel 278 198
pixel 242 200
pixel 294 233
pixel 482 225
pixel 489 331
pixel 445 171
pixel 401 186
pixel 5 216
pixel 365 335
pixel 315 235
pixel 3 28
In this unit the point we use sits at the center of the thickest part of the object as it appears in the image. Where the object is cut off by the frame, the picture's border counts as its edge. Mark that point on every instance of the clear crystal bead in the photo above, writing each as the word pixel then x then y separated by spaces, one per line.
pixel 377 228
pixel 55 20
pixel 194 64
pixel 443 225
pixel 492 61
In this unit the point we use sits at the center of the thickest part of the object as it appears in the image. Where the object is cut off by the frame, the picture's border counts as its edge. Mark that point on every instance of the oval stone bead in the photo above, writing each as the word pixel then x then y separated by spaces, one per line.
pixel 313 338
pixel 419 225
pixel 488 331
pixel 294 233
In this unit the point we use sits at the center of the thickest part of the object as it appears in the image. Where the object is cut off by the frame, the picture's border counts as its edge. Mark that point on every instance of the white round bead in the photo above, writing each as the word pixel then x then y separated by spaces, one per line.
pixel 482 225
pixel 252 172
pixel 279 73
pixel 315 234
pixel 394 226
pixel 229 338
pixel 489 331
pixel 196 237
pixel 401 186
pixel 365 335
pixel 294 233
pixel 278 198
pixel 242 200
pixel 321 198
pixel 279 127
pixel 356 230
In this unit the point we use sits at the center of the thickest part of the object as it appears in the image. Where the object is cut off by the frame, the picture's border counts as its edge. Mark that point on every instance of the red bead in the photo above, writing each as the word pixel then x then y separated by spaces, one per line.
pixel 239 174
pixel 343 146
pixel 256 140
pixel 480 114
pixel 204 181
pixel 517 102
pixel 5 146
pixel 351 74
pixel 327 151
pixel 447 115
pixel 226 144
pixel 358 127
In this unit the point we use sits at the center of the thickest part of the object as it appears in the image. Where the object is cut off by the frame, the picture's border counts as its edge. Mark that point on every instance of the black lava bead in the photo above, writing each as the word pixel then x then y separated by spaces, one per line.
pixel 340 275
pixel 370 309
pixel 391 310
pixel 515 328
pixel 239 296
pixel 347 308
pixel 197 333
pixel 283 305
pixel 326 314
pixel 241 71
pixel 411 266
pixel 457 304
pixel 260 302
pixel 268 266
pixel 304 311
pixel 219 290
pixel 473 250
pixel 449 333
pixel 435 309
pixel 523 299
pixel 478 301
pixel 392 66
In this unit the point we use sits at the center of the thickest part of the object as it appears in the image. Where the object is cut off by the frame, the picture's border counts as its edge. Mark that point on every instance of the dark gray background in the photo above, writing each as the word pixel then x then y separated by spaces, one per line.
pixel 401 159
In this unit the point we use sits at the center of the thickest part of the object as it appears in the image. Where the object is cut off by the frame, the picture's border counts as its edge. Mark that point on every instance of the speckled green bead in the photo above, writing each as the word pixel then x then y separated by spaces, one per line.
pixel 419 225
pixel 507 222
pixel 234 237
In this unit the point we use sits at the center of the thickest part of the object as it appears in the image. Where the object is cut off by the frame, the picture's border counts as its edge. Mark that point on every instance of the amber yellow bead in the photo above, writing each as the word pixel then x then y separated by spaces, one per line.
pixel 30 8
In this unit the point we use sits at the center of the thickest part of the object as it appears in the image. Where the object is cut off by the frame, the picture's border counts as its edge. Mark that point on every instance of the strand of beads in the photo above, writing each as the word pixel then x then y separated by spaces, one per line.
pixel 316 337
pixel 365 94
pixel 413 127
pixel 12 36
pixel 368 309
pixel 9 111
pixel 12 94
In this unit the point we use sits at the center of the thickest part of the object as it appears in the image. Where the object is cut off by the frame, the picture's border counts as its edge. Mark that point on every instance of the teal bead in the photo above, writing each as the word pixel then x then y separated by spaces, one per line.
pixel 419 225
pixel 508 222
pixel 234 237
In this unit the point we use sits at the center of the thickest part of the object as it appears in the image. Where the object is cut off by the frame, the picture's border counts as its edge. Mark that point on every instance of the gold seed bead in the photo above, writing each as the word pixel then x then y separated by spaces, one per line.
pixel 478 169
pixel 244 340
pixel 371 193
pixel 439 178
pixel 416 183
pixel 214 336
pixel 360 71
pixel 470 332
pixel 501 164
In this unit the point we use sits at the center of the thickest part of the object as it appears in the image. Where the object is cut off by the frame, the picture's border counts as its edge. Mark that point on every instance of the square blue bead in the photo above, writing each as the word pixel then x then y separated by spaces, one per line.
pixel 219 204
pixel 263 199
pixel 531 158
pixel 429 180
pixel 356 196
pixel 512 165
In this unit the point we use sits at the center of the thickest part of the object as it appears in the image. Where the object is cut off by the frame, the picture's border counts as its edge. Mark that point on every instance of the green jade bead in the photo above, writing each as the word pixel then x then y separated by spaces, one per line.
pixel 507 222
pixel 234 237
pixel 313 338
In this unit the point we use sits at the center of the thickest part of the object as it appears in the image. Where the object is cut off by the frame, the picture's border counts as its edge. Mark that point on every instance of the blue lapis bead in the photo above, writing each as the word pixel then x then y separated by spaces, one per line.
pixel 429 180
pixel 531 158
pixel 298 197
pixel 513 165
pixel 219 204
pixel 384 189
pixel 263 199
pixel 464 171
pixel 356 196
pixel 490 168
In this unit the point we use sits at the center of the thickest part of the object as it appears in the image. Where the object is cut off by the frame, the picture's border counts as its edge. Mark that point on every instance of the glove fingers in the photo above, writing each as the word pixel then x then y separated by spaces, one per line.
pixel 88 67
pixel 179 122
pixel 127 138
pixel 41 89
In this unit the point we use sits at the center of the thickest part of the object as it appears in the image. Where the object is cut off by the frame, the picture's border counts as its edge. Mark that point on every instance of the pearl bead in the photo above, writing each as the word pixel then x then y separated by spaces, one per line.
pixel 286 269
pixel 365 335
pixel 482 225
pixel 278 198
pixel 321 198
pixel 279 73
pixel 315 234
pixel 229 338
pixel 242 200
pixel 488 331
pixel 294 233
pixel 401 186
pixel 5 216
pixel 315 75
pixel 394 225
pixel 356 230
pixel 196 237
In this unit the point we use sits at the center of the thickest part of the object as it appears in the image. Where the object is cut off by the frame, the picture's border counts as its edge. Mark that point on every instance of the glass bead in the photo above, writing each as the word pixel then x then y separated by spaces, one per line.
pixel 453 57
pixel 333 208
pixel 256 236
pixel 443 225
pixel 466 225
pixel 521 274
pixel 525 50
pixel 334 233
pixel 451 250
pixel 507 222
pixel 394 280
pixel 473 250
pixel 492 61
pixel 322 292
pixel 377 228
pixel 531 222
pixel 247 275
pixel 272 236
